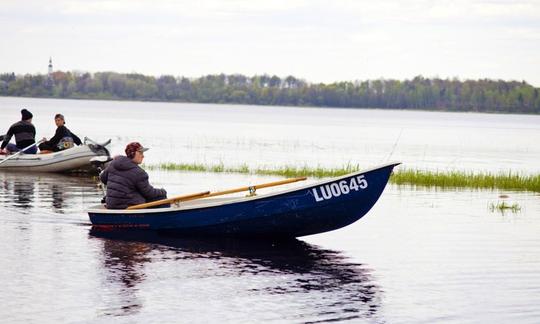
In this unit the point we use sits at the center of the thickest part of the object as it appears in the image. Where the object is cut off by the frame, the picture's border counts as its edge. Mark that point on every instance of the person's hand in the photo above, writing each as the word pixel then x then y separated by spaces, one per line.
pixel 3 151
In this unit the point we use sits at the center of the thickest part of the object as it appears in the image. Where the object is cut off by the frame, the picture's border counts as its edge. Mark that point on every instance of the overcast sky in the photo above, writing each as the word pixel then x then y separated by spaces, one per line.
pixel 319 41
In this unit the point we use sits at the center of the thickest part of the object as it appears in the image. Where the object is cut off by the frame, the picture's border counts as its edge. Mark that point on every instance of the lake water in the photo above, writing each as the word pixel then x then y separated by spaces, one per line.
pixel 420 255
pixel 278 136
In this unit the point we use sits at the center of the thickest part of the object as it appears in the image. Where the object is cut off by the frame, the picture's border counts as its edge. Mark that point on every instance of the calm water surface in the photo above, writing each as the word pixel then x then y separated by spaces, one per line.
pixel 420 255
pixel 277 136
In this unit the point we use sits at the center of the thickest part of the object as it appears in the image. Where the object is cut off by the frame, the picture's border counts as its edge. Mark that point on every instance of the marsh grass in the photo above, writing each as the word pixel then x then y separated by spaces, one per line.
pixel 441 179
pixel 285 171
pixel 461 179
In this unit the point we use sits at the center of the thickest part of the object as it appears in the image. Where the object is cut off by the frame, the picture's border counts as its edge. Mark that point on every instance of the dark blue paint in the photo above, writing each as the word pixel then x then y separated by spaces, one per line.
pixel 291 214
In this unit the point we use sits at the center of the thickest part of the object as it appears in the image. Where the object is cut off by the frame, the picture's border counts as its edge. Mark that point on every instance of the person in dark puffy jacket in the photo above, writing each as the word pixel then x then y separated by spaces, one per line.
pixel 127 183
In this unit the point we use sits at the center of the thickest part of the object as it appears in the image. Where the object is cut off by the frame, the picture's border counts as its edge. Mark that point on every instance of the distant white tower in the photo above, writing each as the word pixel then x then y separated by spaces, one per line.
pixel 50 66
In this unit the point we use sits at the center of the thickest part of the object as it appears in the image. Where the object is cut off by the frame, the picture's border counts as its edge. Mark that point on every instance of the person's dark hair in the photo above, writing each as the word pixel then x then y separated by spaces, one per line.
pixel 59 116
pixel 25 114
pixel 133 147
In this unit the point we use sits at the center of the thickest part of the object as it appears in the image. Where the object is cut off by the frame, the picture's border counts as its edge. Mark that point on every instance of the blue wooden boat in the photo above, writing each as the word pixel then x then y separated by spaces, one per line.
pixel 309 209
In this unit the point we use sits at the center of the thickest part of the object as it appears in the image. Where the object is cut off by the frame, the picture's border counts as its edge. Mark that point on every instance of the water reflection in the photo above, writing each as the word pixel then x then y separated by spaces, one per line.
pixel 124 264
pixel 57 194
pixel 46 191
pixel 328 287
pixel 23 194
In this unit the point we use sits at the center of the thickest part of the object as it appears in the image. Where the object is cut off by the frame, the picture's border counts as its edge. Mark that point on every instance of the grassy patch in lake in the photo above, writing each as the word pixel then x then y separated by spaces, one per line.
pixel 449 179
pixel 503 206
pixel 285 171
pixel 462 179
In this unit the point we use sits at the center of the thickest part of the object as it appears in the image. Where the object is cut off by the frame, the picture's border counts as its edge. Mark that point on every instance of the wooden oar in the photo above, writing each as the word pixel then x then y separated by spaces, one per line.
pixel 170 200
pixel 24 149
pixel 207 194
pixel 252 189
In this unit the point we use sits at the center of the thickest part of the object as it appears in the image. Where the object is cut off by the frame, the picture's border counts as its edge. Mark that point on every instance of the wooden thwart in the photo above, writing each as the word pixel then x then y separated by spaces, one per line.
pixel 208 194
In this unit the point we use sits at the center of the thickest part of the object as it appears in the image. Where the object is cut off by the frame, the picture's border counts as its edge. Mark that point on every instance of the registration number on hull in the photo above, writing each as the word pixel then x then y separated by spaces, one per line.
pixel 336 189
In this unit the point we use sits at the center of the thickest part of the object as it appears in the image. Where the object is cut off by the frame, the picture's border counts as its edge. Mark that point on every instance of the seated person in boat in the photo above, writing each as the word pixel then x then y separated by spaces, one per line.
pixel 25 135
pixel 127 183
pixel 63 138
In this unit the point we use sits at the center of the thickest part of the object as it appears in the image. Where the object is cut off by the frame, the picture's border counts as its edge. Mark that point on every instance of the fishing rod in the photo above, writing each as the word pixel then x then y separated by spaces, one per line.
pixel 98 162
pixel 395 144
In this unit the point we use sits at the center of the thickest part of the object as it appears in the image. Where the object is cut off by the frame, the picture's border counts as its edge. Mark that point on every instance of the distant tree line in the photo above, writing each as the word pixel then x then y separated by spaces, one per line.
pixel 419 93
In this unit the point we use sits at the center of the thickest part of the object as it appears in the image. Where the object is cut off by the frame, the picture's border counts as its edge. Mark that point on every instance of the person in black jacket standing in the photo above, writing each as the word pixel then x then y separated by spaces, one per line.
pixel 63 138
pixel 127 183
pixel 25 135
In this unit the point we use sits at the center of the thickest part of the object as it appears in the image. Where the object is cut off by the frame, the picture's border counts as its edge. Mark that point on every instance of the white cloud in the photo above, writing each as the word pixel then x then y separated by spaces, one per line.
pixel 203 8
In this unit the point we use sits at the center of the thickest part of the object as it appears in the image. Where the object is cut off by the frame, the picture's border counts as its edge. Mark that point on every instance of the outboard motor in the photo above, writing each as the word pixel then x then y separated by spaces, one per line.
pixel 98 148
pixel 100 161
pixel 102 157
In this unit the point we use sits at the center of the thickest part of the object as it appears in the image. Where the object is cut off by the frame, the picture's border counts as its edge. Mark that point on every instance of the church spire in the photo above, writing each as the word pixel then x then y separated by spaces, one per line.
pixel 50 66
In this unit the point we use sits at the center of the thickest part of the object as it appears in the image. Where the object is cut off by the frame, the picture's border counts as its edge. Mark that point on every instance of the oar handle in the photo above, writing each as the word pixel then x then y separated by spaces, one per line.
pixel 170 200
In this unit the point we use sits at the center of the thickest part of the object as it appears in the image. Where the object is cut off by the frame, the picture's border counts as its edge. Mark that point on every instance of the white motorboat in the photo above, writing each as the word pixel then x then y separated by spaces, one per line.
pixel 83 158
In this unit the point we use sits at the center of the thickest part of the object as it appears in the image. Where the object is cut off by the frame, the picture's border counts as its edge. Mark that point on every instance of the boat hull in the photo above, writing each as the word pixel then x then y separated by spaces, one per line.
pixel 71 160
pixel 311 209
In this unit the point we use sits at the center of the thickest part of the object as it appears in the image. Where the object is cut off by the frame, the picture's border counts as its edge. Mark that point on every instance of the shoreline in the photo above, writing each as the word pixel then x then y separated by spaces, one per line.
pixel 434 110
